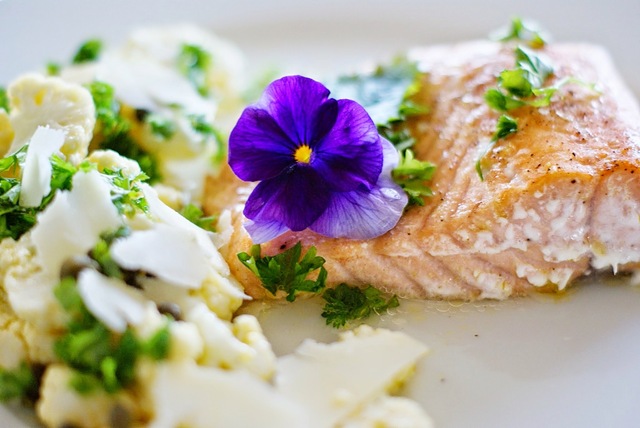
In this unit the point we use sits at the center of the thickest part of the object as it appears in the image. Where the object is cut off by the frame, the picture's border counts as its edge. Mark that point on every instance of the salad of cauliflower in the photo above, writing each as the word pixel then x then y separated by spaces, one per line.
pixel 116 307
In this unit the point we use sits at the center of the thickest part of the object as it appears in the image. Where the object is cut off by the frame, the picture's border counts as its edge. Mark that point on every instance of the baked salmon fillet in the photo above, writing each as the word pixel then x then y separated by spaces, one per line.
pixel 560 197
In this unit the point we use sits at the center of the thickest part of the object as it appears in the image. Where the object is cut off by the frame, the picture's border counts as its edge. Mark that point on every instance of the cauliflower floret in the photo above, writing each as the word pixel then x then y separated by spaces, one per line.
pixel 6 132
pixel 237 345
pixel 50 101
pixel 59 405
pixel 108 159
pixel 39 328
pixel 225 78
pixel 390 412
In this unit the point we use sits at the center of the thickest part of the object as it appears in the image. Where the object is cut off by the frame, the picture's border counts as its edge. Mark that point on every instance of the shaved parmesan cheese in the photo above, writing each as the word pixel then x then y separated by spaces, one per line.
pixel 73 222
pixel 332 381
pixel 165 214
pixel 185 394
pixel 166 252
pixel 110 300
pixel 36 172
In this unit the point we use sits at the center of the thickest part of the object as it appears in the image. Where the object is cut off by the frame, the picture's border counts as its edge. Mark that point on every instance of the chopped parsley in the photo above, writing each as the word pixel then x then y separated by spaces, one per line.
pixel 288 271
pixel 19 383
pixel 15 220
pixel 4 99
pixel 161 127
pixel 89 51
pixel 520 30
pixel 100 253
pixel 53 68
pixel 114 130
pixel 208 131
pixel 194 63
pixel 521 86
pixel 196 216
pixel 346 303
pixel 386 94
pixel 412 174
pixel 99 357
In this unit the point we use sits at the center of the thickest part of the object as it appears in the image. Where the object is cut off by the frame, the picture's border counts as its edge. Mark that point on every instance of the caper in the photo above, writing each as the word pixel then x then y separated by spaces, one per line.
pixel 171 309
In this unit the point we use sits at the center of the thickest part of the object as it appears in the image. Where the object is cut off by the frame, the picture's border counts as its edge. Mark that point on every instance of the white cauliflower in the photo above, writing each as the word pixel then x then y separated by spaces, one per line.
pixel 233 345
pixel 225 78
pixel 390 412
pixel 38 318
pixel 60 405
pixel 50 101
pixel 108 159
pixel 6 132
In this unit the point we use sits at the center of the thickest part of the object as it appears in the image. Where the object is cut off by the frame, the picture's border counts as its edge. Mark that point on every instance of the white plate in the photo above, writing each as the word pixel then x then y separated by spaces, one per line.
pixel 540 362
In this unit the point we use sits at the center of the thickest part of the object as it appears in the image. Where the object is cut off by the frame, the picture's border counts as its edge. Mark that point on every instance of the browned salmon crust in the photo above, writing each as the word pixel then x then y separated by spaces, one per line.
pixel 560 198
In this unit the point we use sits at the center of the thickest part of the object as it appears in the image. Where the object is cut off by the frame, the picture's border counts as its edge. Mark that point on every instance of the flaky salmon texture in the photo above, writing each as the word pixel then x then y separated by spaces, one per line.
pixel 560 197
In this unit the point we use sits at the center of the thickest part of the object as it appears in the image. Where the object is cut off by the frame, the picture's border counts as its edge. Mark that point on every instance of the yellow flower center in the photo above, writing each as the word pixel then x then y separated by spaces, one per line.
pixel 303 154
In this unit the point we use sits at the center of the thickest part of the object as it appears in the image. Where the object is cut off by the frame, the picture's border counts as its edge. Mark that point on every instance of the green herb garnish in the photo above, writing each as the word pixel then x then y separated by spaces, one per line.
pixel 114 130
pixel 386 94
pixel 99 357
pixel 287 271
pixel 412 174
pixel 89 51
pixel 196 216
pixel 346 303
pixel 209 132
pixel 161 127
pixel 194 63
pixel 53 68
pixel 19 383
pixel 4 99
pixel 520 30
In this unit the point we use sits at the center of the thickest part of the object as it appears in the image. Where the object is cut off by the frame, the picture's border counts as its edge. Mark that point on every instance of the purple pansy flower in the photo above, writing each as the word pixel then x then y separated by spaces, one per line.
pixel 320 162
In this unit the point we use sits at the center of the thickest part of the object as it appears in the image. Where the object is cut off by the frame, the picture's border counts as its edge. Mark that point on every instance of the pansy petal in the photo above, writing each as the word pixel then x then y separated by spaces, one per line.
pixel 301 107
pixel 390 157
pixel 263 230
pixel 363 214
pixel 350 155
pixel 295 199
pixel 258 148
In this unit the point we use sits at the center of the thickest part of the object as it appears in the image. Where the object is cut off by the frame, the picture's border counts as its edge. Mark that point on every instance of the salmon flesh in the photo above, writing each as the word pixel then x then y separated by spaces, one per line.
pixel 560 197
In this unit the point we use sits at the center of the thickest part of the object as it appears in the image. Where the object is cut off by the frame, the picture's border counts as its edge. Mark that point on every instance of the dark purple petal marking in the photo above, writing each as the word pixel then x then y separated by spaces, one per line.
pixel 295 199
pixel 258 148
pixel 301 107
pixel 350 155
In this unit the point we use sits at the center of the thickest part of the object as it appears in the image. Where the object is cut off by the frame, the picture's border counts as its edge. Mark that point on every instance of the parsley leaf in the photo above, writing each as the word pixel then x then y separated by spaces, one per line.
pixel 113 130
pixel 386 94
pixel 101 358
pixel 346 303
pixel 506 126
pixel 126 194
pixel 4 99
pixel 287 271
pixel 18 383
pixel 523 31
pixel 161 127
pixel 89 51
pixel 194 63
pixel 53 68
pixel 411 174
pixel 208 131
pixel 196 216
